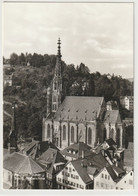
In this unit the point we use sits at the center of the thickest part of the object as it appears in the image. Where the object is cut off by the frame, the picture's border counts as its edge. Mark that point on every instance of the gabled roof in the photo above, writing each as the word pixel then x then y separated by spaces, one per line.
pixel 36 148
pixel 89 165
pixel 111 145
pixel 92 170
pixel 21 164
pixel 82 107
pixel 118 170
pixel 112 173
pixel 112 116
pixel 77 148
pixel 82 170
pixel 51 156
pixel 124 176
pixel 97 160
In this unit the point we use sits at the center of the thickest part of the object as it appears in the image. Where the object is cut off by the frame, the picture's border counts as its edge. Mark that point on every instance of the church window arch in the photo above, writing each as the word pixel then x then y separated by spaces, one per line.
pixel 111 134
pixel 118 137
pixel 89 135
pixel 54 98
pixel 48 130
pixel 55 86
pixel 64 132
pixel 72 134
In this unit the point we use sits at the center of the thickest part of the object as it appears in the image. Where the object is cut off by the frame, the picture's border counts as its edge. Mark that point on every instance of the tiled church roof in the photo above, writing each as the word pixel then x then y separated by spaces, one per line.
pixel 112 116
pixel 82 107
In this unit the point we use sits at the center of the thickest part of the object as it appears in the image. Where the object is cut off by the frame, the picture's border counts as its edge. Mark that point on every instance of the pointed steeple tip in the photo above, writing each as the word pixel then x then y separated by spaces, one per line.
pixel 59 52
pixel 59 41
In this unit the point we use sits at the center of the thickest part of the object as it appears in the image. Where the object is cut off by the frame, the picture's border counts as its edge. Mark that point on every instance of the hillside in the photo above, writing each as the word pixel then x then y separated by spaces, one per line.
pixel 29 92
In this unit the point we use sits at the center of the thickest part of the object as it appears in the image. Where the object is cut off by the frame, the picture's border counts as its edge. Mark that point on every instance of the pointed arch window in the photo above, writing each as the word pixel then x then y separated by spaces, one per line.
pixel 55 86
pixel 64 132
pixel 89 135
pixel 72 134
pixel 54 98
pixel 111 134
pixel 48 130
pixel 118 137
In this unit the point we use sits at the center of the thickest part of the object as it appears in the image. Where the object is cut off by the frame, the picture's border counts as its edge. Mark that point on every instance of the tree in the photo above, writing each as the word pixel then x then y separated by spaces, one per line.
pixel 83 70
pixel 13 59
pixel 22 59
pixel 91 87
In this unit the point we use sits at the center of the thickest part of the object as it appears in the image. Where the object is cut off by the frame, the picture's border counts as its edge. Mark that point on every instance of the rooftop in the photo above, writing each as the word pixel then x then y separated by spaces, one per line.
pixel 21 164
pixel 37 148
pixel 51 156
pixel 80 107
pixel 78 148
pixel 112 116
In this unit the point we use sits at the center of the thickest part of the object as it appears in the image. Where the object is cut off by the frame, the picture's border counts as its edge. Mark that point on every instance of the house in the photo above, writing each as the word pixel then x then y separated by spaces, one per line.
pixel 18 168
pixel 76 150
pixel 107 177
pixel 7 80
pixel 52 161
pixel 79 173
pixel 126 182
pixel 74 176
pixel 127 102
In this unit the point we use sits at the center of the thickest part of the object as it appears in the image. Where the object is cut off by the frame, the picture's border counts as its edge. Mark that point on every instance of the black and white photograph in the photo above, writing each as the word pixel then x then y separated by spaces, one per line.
pixel 68 95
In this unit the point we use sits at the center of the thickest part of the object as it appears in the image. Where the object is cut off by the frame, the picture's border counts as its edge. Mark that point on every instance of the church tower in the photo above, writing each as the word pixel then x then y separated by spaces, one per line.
pixel 13 134
pixel 57 81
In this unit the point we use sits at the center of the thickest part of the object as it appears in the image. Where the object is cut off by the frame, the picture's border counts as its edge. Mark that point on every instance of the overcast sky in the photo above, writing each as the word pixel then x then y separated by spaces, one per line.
pixel 98 34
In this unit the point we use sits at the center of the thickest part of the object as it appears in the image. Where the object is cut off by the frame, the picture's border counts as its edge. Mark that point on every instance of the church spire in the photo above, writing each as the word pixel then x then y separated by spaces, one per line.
pixel 58 60
pixel 57 81
pixel 59 47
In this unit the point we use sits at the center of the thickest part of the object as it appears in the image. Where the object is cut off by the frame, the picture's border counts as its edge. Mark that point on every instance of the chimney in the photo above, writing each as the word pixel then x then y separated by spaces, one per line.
pixel 83 154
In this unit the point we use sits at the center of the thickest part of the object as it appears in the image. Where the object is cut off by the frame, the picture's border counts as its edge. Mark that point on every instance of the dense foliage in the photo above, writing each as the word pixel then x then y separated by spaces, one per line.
pixel 30 84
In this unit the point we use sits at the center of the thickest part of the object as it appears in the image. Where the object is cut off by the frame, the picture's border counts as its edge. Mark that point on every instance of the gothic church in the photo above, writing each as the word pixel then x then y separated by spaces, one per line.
pixel 78 118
